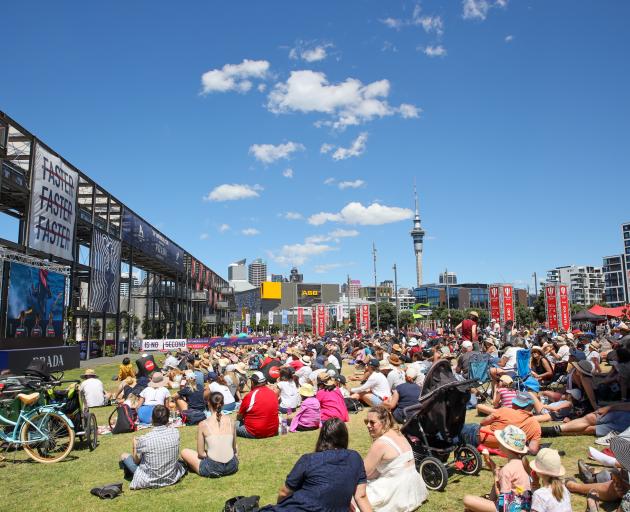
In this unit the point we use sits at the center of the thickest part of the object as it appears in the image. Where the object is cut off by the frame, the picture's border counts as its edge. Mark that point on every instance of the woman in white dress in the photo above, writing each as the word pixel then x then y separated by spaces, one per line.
pixel 394 484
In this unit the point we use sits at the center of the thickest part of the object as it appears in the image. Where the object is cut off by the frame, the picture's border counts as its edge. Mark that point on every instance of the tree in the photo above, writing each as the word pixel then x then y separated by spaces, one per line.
pixel 386 315
pixel 406 318
pixel 110 326
pixel 539 307
pixel 524 315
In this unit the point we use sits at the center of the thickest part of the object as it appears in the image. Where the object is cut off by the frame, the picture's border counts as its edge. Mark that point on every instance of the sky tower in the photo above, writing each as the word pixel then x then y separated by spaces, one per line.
pixel 417 234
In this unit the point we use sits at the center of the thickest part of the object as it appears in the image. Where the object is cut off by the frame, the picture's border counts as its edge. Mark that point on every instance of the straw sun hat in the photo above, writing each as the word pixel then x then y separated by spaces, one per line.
pixel 548 463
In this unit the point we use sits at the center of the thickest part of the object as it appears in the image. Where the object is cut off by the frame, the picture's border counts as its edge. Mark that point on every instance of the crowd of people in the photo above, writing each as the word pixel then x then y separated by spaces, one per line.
pixel 576 383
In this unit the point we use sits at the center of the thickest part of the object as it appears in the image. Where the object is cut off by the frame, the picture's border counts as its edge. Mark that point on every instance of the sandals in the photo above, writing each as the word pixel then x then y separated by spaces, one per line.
pixel 107 492
pixel 592 501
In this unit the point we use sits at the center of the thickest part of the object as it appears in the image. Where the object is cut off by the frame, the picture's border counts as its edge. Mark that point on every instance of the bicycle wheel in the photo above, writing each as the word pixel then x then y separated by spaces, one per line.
pixel 51 441
pixel 91 432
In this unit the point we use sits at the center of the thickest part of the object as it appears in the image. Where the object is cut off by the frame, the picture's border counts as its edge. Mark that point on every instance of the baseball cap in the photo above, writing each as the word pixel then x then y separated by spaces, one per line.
pixel 467 344
pixel 374 363
pixel 258 378
pixel 412 372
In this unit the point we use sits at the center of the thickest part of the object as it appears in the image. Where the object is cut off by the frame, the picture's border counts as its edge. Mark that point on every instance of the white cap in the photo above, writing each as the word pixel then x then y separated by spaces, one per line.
pixel 412 373
pixel 467 344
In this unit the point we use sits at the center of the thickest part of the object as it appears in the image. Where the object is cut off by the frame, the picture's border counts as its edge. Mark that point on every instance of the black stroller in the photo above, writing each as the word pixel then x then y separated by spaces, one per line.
pixel 434 425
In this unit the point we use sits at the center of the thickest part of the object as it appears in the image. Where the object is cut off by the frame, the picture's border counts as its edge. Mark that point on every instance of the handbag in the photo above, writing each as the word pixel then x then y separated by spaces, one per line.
pixel 242 504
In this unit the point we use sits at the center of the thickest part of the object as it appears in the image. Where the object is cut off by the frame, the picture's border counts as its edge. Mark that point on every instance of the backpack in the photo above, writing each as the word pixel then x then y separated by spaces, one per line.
pixel 126 419
pixel 242 504
pixel 353 406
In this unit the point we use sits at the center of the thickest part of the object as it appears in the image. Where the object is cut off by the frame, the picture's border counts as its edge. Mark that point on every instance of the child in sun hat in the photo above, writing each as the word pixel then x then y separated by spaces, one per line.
pixel 308 415
pixel 510 480
pixel 551 495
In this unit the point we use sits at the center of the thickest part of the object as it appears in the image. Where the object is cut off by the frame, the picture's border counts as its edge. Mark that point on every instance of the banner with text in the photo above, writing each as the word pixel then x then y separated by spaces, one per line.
pixel 565 311
pixel 495 302
pixel 551 307
pixel 365 317
pixel 321 320
pixel 508 303
pixel 152 345
pixel 53 203
pixel 300 316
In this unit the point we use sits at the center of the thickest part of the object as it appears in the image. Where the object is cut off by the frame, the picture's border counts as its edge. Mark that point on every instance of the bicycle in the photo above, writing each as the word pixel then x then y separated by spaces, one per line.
pixel 45 433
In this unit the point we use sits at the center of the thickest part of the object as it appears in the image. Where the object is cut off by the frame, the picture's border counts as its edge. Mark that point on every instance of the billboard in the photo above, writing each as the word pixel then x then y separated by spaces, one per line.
pixel 309 294
pixel 270 290
pixel 53 205
pixel 35 303
pixel 142 236
pixel 105 263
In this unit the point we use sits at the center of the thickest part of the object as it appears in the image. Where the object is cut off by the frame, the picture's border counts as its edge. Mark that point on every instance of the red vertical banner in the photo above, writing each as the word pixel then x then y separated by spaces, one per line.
pixel 508 303
pixel 551 306
pixel 495 303
pixel 357 314
pixel 300 316
pixel 365 317
pixel 565 312
pixel 321 320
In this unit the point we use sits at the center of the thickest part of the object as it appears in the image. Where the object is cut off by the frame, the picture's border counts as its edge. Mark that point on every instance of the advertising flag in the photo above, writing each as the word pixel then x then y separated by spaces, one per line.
pixel 565 311
pixel 53 205
pixel 270 317
pixel 365 317
pixel 495 303
pixel 339 314
pixel 285 317
pixel 258 318
pixel 508 303
pixel 551 306
pixel 247 319
pixel 300 316
pixel 357 313
pixel 321 320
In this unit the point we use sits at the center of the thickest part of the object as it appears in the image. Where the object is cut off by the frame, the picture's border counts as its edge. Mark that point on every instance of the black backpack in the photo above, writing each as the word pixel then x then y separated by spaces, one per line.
pixel 126 419
pixel 242 504
pixel 353 406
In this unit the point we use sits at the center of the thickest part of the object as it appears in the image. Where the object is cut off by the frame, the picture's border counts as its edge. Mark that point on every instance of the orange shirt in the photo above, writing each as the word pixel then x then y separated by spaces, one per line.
pixel 507 416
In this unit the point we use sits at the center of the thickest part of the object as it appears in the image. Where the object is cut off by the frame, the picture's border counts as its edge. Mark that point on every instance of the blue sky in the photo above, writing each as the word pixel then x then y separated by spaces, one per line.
pixel 512 117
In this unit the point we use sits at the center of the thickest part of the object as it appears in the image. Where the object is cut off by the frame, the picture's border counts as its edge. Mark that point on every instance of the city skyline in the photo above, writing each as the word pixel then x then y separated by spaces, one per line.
pixel 512 125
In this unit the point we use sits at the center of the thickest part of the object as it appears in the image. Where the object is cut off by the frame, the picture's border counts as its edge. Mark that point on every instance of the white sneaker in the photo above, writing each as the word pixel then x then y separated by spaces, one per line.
pixel 605 440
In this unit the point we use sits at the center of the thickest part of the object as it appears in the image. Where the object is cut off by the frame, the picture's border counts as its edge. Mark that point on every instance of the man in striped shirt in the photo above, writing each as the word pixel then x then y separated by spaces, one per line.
pixel 154 458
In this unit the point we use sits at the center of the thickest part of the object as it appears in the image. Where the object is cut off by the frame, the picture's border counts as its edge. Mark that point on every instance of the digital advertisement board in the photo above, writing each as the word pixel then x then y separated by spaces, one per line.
pixel 35 305
pixel 309 294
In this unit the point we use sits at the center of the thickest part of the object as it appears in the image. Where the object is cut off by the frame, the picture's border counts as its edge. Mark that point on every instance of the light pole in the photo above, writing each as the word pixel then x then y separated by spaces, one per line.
pixel 396 292
pixel 375 285
pixel 348 293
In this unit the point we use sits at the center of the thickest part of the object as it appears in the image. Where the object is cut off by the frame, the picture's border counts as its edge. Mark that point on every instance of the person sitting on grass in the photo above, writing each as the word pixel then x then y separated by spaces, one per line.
pixel 258 416
pixel 394 484
pixel 504 393
pixel 93 389
pixel 125 369
pixel 326 480
pixel 510 478
pixel 332 403
pixel 556 411
pixel 154 394
pixel 404 395
pixel 287 391
pixel 518 415
pixel 376 389
pixel 609 419
pixel 190 400
pixel 216 453
pixel 308 416
pixel 550 494
pixel 218 384
pixel 153 461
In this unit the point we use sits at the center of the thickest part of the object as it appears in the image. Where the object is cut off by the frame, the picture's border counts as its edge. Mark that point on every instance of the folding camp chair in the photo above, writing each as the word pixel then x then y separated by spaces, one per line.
pixel 524 380
pixel 479 370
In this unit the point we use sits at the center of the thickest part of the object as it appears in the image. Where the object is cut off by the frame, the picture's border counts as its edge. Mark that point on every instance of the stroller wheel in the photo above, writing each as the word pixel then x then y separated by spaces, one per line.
pixel 433 473
pixel 469 460
pixel 91 432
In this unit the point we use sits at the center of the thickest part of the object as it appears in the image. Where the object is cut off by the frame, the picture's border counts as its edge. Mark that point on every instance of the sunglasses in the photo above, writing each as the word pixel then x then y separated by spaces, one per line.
pixel 370 422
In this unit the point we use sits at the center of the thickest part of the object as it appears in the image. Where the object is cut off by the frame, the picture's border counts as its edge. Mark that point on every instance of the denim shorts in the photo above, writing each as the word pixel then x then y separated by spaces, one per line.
pixel 614 420
pixel 212 469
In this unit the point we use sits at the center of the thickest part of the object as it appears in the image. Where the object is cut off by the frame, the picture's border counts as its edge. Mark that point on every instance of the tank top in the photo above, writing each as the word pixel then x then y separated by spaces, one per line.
pixel 220 442
pixel 467 330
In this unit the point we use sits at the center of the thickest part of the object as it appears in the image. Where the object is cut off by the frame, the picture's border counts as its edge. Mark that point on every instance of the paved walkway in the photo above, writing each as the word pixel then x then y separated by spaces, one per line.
pixel 97 361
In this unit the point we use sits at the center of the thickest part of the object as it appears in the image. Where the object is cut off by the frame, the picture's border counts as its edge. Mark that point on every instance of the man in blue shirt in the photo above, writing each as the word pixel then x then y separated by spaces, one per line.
pixel 404 395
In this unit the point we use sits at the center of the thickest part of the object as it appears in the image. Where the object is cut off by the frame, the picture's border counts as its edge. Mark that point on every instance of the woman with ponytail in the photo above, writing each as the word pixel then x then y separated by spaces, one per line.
pixel 216 453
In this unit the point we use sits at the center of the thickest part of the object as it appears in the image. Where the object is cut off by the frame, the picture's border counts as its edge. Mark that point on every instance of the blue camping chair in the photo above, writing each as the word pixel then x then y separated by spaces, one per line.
pixel 479 370
pixel 524 380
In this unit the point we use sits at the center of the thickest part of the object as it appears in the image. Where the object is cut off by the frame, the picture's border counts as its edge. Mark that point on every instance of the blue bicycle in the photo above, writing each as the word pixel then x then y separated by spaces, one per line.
pixel 45 433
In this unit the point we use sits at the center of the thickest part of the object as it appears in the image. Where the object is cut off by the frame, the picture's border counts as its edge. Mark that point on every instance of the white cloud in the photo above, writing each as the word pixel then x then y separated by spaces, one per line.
pixel 509 39
pixel 478 9
pixel 355 213
pixel 348 103
pixel 309 52
pixel 223 228
pixel 268 153
pixel 408 111
pixel 357 148
pixel 298 254
pixel 428 23
pixel 250 232
pixel 293 216
pixel 389 47
pixel 344 233
pixel 314 54
pixel 350 184
pixel 326 148
pixel 233 192
pixel 203 236
pixel 327 267
pixel 261 87
pixel 329 181
pixel 234 77
pixel 435 51
pixel 288 173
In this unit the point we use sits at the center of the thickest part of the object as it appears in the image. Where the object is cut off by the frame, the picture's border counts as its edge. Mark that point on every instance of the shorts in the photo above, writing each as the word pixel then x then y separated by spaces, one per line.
pixel 376 400
pixel 614 420
pixel 212 469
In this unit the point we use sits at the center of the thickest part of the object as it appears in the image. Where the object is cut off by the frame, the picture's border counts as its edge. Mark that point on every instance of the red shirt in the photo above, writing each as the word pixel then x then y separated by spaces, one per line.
pixel 259 409
pixel 467 330
pixel 296 364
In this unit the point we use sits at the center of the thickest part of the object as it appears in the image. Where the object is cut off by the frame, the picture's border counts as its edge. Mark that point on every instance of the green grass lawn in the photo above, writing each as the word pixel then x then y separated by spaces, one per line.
pixel 264 464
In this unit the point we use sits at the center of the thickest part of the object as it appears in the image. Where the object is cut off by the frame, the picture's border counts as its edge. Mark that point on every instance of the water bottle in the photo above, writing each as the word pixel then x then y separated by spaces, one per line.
pixel 284 426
